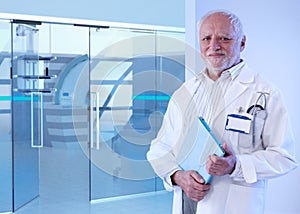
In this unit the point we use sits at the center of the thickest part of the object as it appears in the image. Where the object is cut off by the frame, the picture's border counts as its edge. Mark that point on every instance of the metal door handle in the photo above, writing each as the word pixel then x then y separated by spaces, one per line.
pixel 97 121
pixel 41 138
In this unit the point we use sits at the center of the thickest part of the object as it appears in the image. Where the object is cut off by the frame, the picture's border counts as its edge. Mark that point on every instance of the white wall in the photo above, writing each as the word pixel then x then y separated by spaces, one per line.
pixel 154 12
pixel 272 29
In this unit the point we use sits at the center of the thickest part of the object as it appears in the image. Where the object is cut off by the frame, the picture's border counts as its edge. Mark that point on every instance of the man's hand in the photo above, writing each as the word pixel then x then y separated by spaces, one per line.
pixel 191 183
pixel 219 166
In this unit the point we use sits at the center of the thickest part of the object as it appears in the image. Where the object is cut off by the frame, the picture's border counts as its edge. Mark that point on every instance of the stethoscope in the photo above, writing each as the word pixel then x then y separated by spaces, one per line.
pixel 254 109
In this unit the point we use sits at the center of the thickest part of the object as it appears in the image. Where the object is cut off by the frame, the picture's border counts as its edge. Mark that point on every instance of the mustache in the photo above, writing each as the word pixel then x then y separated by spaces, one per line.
pixel 214 53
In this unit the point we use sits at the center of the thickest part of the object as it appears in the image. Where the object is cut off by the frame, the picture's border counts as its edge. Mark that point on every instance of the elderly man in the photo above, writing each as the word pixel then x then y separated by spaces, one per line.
pixel 225 90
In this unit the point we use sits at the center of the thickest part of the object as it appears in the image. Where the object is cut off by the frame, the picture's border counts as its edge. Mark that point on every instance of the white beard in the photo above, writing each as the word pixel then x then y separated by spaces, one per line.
pixel 216 71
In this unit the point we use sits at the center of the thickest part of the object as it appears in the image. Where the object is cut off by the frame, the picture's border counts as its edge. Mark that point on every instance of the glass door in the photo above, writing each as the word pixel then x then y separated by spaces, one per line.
pixel 64 168
pixel 133 74
pixel 120 131
pixel 49 66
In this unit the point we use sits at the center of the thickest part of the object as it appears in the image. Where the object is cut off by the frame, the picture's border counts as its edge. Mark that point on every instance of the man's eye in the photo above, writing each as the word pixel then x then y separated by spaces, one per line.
pixel 225 39
pixel 205 39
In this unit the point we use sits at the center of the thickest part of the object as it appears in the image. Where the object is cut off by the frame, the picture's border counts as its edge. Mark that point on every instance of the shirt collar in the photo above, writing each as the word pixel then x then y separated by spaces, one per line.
pixel 232 72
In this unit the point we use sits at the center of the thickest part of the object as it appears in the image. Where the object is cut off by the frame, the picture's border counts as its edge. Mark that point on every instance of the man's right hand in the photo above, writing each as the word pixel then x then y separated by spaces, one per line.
pixel 191 183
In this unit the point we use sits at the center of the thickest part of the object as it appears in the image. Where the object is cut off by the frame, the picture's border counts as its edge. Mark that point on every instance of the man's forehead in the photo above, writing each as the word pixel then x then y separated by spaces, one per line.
pixel 222 30
pixel 217 25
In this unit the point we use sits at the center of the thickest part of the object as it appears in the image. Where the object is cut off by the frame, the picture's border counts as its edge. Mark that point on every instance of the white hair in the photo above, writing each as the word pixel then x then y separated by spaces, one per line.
pixel 234 20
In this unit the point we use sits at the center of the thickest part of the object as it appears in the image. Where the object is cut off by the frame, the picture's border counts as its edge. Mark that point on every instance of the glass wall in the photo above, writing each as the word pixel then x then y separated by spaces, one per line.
pixel 5 118
pixel 81 105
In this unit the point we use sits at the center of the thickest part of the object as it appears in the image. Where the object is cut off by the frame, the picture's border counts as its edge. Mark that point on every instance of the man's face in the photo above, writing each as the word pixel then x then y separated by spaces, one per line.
pixel 219 45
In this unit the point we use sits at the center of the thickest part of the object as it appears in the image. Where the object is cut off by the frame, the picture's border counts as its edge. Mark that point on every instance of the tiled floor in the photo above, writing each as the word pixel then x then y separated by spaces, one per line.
pixel 64 189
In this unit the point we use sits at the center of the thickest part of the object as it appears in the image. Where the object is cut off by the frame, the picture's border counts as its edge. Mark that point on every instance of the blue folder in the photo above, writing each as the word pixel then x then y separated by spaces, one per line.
pixel 201 143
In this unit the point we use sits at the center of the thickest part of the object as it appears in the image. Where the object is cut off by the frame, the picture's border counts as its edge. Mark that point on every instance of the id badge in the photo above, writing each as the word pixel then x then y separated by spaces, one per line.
pixel 239 123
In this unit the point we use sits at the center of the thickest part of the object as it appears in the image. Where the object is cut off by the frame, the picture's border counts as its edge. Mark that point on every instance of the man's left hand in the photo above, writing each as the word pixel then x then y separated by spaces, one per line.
pixel 219 166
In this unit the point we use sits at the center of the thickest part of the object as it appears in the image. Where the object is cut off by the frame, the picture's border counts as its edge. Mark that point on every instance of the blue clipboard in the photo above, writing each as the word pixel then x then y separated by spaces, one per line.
pixel 204 144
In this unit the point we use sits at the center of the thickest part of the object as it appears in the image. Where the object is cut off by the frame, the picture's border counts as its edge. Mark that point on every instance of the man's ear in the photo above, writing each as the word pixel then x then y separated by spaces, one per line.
pixel 243 43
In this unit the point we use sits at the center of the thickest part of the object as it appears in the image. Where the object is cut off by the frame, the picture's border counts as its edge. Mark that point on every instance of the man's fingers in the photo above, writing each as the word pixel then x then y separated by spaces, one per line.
pixel 198 195
pixel 198 178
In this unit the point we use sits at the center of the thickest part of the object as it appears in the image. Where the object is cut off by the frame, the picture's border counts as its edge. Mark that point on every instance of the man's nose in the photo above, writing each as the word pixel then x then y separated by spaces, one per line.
pixel 214 44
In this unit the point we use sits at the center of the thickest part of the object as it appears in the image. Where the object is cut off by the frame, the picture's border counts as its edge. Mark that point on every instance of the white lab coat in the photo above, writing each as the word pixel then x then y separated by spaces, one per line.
pixel 272 155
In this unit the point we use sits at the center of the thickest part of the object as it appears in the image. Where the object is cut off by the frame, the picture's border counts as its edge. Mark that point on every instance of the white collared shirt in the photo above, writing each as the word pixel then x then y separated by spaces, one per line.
pixel 211 92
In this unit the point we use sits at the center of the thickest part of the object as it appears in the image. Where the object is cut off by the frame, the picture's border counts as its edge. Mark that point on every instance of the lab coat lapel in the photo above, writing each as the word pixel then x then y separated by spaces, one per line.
pixel 236 90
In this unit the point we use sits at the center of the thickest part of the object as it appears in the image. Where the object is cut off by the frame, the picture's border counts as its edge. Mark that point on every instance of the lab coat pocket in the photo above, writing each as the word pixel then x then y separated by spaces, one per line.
pixel 252 141
pixel 245 199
